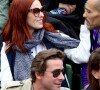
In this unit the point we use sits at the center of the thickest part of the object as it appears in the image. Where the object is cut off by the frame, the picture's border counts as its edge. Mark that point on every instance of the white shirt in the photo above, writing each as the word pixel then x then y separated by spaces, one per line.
pixel 6 75
pixel 82 52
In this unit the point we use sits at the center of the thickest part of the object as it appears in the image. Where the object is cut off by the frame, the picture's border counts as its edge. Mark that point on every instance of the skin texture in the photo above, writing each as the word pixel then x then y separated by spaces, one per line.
pixel 69 8
pixel 92 15
pixel 47 81
pixel 35 22
pixel 96 74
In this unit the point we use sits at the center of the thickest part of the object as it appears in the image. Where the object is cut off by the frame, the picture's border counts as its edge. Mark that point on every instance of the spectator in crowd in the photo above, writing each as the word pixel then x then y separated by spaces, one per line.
pixel 47 73
pixel 79 55
pixel 25 34
pixel 93 70
pixel 92 19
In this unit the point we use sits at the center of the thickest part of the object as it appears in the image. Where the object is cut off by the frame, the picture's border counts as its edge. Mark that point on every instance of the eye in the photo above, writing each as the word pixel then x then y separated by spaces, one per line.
pixel 56 73
pixel 87 10
pixel 36 10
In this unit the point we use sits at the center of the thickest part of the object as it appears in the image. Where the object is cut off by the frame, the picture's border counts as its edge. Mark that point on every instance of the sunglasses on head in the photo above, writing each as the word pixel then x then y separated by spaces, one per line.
pixel 36 11
pixel 57 72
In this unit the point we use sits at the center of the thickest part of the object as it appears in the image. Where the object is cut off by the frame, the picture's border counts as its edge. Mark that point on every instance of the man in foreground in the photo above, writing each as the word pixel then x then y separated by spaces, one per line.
pixel 46 73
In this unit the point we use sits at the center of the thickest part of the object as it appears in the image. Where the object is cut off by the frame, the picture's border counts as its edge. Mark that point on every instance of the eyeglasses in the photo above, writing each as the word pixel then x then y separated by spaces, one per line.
pixel 57 72
pixel 36 11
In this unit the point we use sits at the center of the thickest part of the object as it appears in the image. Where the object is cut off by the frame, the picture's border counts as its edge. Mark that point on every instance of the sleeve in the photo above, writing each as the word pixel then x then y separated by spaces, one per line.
pixel 82 52
pixel 68 1
pixel 5 68
pixel 84 75
pixel 4 7
pixel 50 4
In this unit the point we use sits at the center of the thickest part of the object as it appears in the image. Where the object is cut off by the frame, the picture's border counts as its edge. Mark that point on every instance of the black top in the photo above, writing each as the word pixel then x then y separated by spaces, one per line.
pixel 89 88
pixel 53 4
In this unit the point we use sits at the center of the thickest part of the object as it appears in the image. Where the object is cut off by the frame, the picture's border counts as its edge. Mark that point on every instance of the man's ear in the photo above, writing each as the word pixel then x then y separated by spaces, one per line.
pixel 95 74
pixel 38 75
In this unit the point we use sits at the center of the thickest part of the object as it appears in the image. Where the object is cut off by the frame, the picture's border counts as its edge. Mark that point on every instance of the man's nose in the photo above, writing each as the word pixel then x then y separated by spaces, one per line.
pixel 84 15
pixel 61 77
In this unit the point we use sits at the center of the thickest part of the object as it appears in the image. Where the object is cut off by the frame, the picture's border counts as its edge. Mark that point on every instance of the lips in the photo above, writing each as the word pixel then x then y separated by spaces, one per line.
pixel 87 22
pixel 40 21
pixel 58 85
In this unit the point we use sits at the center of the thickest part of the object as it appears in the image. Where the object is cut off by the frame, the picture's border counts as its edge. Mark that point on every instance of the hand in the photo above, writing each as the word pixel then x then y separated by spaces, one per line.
pixel 86 86
pixel 69 8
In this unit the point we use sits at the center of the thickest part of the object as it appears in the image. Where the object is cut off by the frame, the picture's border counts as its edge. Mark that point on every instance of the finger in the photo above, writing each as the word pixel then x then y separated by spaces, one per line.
pixel 68 9
pixel 73 7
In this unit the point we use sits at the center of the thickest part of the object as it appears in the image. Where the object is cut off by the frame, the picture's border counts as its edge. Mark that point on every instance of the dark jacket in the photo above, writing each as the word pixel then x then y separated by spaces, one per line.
pixel 53 4
pixel 89 88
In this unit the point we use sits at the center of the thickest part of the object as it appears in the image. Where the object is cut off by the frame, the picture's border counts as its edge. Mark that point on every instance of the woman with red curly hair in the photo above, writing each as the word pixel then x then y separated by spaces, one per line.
pixel 25 34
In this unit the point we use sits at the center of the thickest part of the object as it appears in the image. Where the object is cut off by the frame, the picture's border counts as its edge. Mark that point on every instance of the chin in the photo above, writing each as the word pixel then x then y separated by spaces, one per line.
pixel 40 26
pixel 55 88
pixel 88 26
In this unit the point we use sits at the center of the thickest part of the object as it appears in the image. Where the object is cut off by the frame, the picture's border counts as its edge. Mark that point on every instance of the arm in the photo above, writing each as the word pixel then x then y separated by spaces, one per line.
pixel 82 52
pixel 84 75
pixel 4 7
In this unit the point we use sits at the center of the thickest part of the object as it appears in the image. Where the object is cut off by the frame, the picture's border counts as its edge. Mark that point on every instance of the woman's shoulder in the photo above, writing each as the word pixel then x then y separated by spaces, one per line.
pixel 89 88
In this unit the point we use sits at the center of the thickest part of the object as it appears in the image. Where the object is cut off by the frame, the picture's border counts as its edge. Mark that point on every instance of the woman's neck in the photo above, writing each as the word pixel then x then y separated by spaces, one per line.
pixel 31 30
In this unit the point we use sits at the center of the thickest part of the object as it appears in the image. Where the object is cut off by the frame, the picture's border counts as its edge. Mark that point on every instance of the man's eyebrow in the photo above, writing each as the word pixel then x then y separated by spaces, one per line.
pixel 87 9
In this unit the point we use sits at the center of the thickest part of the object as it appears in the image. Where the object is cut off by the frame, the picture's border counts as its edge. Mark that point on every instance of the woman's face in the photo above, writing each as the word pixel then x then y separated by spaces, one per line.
pixel 96 74
pixel 35 17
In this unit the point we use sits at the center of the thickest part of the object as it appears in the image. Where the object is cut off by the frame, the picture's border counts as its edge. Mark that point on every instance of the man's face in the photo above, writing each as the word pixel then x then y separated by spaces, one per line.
pixel 92 15
pixel 48 81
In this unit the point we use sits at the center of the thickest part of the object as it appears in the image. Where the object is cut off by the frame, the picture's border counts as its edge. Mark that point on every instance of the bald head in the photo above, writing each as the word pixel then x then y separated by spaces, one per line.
pixel 97 5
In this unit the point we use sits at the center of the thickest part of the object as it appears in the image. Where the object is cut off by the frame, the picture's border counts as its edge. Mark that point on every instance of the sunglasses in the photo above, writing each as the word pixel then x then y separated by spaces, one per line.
pixel 57 72
pixel 36 11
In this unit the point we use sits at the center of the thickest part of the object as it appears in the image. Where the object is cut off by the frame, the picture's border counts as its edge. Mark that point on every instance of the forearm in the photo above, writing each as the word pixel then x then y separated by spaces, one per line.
pixel 82 52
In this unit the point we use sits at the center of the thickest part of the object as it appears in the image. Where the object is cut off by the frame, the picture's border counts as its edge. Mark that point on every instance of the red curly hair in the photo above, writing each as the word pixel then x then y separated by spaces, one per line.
pixel 16 30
